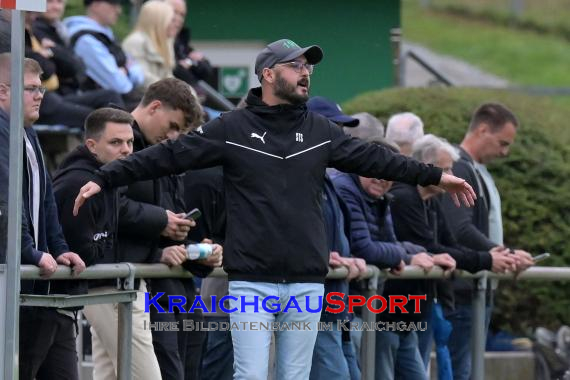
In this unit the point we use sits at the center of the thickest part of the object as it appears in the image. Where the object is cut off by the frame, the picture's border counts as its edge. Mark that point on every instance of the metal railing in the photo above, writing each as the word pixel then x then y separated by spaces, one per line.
pixel 128 272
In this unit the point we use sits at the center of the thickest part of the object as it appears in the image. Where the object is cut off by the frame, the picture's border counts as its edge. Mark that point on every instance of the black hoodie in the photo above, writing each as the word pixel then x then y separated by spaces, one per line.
pixel 274 160
pixel 92 232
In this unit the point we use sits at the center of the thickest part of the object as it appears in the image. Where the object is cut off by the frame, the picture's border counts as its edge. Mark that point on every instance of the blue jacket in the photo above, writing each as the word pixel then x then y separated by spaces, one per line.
pixel 100 63
pixel 372 234
pixel 336 217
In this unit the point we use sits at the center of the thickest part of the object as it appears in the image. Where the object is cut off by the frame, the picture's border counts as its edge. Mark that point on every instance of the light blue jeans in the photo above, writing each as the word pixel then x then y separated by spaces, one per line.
pixel 294 345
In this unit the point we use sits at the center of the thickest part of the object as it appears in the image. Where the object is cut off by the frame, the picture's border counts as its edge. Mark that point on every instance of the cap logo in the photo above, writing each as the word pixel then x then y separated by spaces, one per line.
pixel 288 44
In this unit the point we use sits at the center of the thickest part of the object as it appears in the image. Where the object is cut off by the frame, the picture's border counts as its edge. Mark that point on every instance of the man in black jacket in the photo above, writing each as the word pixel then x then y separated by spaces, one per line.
pixel 491 133
pixel 108 137
pixel 166 110
pixel 47 335
pixel 419 218
pixel 274 155
pixel 93 233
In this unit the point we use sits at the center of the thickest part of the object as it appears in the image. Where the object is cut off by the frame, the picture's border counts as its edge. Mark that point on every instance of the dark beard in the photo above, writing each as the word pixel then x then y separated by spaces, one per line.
pixel 287 92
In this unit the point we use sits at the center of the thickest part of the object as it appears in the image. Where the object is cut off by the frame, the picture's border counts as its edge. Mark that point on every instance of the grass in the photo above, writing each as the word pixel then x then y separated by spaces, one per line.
pixel 548 16
pixel 522 57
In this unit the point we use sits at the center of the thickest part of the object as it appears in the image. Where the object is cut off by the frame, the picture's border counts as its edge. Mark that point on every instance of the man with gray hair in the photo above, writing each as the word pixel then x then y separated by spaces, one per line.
pixel 419 218
pixel 404 129
pixel 368 127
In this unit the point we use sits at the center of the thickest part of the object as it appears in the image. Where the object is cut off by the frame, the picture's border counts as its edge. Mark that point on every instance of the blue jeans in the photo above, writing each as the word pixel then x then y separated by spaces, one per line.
pixel 425 340
pixel 294 347
pixel 218 358
pixel 398 357
pixel 351 360
pixel 328 357
pixel 460 339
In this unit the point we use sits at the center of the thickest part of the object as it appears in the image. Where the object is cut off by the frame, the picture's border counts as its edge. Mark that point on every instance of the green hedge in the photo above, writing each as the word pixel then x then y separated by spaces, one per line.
pixel 534 182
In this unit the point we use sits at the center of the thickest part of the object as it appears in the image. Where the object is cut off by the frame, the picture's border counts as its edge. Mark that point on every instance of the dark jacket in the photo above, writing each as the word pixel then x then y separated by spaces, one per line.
pixel 424 223
pixel 470 224
pixel 172 198
pixel 92 233
pixel 274 160
pixel 204 189
pixel 201 70
pixel 68 66
pixel 50 235
pixel 371 228
pixel 141 224
pixel 373 238
pixel 337 228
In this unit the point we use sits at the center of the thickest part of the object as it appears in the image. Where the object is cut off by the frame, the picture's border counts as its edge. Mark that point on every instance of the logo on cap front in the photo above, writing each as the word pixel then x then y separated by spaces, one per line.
pixel 290 44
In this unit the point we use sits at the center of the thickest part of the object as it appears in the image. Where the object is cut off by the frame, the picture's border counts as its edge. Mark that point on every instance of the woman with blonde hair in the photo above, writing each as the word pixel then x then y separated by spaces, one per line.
pixel 151 42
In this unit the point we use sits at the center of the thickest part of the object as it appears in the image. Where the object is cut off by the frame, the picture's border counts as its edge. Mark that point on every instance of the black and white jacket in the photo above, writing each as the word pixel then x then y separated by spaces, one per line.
pixel 274 160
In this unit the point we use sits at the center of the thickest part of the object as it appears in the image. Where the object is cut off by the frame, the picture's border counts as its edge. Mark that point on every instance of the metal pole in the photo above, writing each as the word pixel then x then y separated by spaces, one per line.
pixel 367 355
pixel 396 42
pixel 126 331
pixel 14 199
pixel 478 330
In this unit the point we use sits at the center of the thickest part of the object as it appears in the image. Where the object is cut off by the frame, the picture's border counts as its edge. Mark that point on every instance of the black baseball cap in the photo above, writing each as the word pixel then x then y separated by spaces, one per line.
pixel 285 50
pixel 89 2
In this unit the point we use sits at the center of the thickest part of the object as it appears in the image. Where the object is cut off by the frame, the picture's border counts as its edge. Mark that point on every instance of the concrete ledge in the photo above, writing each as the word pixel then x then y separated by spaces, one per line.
pixel 515 365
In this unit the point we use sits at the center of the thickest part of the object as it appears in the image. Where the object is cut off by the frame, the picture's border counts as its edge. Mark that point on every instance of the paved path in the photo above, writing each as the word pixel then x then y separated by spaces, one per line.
pixel 459 72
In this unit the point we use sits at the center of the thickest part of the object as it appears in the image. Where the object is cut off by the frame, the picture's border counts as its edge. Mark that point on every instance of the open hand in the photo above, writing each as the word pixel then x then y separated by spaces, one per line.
pixel 86 192
pixel 459 189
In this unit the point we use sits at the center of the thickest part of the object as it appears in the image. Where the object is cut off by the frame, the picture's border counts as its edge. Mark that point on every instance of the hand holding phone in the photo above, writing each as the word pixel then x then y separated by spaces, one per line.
pixel 193 214
pixel 541 257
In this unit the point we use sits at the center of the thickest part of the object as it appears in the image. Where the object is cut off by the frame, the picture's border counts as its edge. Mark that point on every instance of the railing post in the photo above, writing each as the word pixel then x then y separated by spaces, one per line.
pixel 367 355
pixel 478 336
pixel 126 330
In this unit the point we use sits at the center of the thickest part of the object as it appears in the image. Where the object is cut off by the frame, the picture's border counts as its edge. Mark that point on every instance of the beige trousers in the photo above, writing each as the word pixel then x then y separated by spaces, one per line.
pixel 103 319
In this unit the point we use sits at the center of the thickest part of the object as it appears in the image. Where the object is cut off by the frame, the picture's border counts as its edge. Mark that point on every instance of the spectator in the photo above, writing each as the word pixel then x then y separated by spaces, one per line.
pixel 204 189
pixel 333 355
pixel 403 129
pixel 367 128
pixel 93 232
pixel 151 42
pixel 419 218
pixel 372 238
pixel 107 64
pixel 168 107
pixel 274 154
pixel 142 221
pixel 491 133
pixel 70 69
pixel 47 335
pixel 191 64
pixel 62 105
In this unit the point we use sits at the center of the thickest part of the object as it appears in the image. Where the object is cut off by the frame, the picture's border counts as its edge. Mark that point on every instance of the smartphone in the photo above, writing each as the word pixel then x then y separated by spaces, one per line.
pixel 541 257
pixel 193 214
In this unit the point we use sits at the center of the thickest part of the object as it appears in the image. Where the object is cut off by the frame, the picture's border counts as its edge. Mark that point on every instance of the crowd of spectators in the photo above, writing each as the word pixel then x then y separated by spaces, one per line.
pixel 136 96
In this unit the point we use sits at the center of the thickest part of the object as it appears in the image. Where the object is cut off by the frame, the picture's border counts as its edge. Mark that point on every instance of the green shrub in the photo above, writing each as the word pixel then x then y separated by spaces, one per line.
pixel 534 182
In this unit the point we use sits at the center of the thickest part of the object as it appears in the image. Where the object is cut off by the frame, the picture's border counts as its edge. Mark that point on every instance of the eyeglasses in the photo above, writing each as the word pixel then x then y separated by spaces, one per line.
pixel 298 66
pixel 34 90
pixel 31 89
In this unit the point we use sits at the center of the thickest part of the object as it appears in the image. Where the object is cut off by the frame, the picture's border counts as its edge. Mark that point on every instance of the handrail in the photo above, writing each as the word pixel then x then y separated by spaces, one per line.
pixel 130 271
pixel 221 102
pixel 122 270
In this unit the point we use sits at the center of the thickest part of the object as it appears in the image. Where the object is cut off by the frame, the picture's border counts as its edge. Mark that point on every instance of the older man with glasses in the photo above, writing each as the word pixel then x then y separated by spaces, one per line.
pixel 274 154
